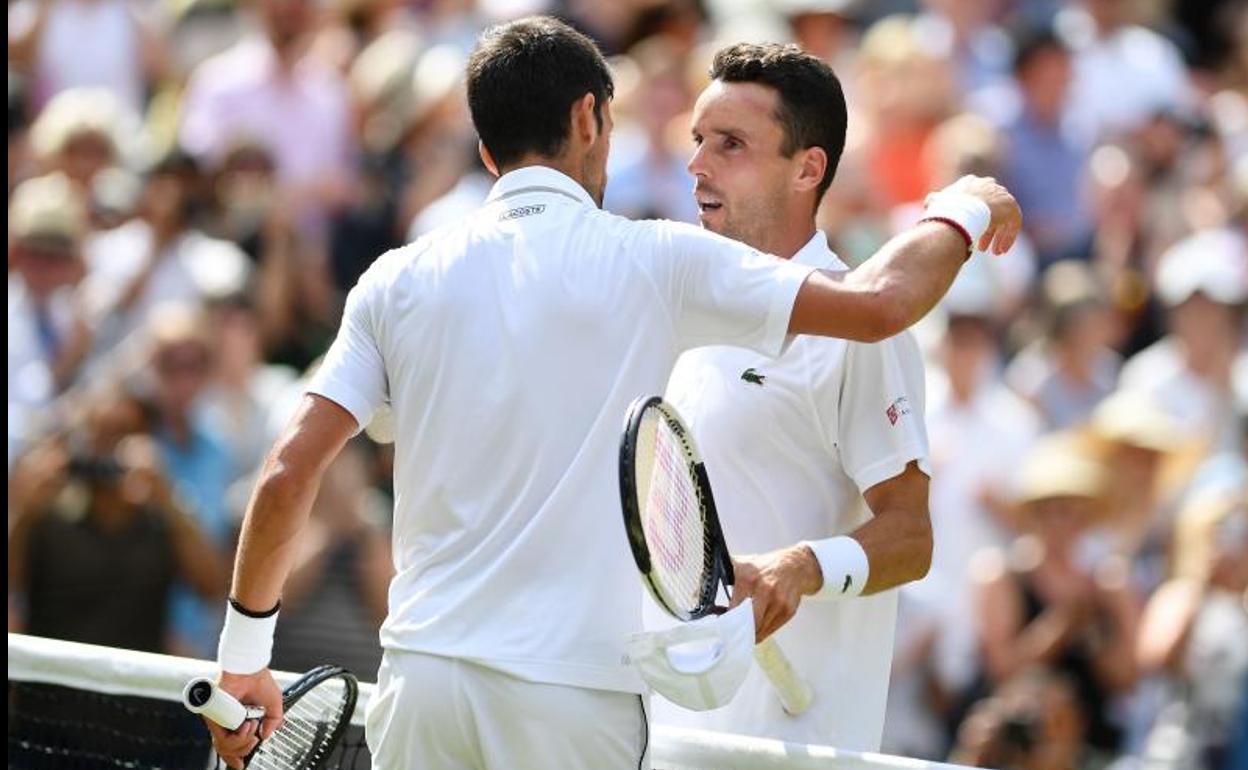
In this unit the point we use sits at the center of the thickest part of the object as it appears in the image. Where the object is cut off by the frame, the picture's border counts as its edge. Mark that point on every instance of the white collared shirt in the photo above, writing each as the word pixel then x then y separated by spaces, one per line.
pixel 790 445
pixel 510 345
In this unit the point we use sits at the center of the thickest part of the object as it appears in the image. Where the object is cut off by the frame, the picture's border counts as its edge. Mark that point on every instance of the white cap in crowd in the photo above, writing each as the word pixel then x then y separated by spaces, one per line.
pixel 1212 262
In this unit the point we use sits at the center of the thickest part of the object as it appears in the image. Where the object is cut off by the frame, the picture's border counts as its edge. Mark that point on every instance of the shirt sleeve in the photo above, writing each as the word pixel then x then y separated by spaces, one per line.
pixel 722 292
pixel 353 373
pixel 880 426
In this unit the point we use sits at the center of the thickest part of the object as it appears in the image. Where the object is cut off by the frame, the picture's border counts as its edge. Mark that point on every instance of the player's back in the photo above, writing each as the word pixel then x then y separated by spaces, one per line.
pixel 510 345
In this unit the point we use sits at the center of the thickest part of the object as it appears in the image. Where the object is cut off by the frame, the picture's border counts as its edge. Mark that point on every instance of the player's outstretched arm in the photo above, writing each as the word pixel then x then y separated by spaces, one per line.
pixel 909 275
pixel 896 542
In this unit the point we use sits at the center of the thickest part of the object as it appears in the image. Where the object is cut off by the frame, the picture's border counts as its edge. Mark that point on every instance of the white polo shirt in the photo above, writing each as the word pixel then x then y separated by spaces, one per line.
pixel 790 444
pixel 510 345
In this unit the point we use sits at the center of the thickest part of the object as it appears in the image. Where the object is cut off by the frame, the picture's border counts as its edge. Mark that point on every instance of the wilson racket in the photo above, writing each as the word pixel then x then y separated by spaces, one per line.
pixel 317 709
pixel 673 530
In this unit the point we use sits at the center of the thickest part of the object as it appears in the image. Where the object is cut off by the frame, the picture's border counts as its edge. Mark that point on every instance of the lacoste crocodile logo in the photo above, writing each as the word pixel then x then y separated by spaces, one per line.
pixel 752 376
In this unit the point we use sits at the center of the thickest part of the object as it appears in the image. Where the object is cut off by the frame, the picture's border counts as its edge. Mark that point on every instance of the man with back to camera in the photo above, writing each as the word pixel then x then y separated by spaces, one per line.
pixel 509 345
pixel 794 444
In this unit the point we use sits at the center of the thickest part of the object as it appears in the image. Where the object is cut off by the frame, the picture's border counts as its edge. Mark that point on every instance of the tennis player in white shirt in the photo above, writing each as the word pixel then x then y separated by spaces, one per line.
pixel 508 346
pixel 794 444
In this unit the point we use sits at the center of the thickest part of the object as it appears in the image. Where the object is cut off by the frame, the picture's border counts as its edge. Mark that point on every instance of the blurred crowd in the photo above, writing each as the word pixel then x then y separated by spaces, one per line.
pixel 194 185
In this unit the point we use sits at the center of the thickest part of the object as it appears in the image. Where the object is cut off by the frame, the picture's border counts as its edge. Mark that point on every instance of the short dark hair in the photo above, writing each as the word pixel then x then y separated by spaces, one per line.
pixel 811 107
pixel 1031 41
pixel 523 79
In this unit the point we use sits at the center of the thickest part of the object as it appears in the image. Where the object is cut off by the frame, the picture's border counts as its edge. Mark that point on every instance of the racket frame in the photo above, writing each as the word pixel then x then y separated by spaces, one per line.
pixel 717 567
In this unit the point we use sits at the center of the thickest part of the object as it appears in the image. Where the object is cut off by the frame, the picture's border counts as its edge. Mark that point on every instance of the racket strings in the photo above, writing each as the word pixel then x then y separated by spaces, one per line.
pixel 672 517
pixel 306 728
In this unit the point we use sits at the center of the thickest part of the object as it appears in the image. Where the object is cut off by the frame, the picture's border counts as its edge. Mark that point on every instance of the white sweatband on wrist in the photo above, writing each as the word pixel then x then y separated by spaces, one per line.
pixel 844 566
pixel 246 643
pixel 962 211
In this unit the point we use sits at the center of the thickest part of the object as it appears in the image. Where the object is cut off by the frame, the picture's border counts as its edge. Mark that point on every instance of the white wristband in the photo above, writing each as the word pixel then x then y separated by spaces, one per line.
pixel 246 643
pixel 961 210
pixel 844 566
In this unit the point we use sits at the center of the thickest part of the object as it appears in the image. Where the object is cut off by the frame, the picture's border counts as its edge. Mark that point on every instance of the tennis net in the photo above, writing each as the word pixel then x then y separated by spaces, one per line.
pixel 86 707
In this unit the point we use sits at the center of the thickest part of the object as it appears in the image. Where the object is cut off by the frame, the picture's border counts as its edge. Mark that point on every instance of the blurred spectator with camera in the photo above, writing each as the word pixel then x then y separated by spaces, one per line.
pixel 98 536
pixel 1034 721
pixel 49 336
pixel 1037 605
pixel 195 457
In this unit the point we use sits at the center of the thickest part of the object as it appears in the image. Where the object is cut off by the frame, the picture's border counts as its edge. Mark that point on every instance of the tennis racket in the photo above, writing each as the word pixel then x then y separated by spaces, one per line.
pixel 316 708
pixel 673 530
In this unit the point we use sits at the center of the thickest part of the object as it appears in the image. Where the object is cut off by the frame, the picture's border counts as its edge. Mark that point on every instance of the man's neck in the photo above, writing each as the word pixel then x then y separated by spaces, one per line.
pixel 785 242
pixel 563 165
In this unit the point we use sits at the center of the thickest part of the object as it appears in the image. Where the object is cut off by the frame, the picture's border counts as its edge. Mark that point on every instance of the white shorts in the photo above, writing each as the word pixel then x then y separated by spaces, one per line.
pixel 436 713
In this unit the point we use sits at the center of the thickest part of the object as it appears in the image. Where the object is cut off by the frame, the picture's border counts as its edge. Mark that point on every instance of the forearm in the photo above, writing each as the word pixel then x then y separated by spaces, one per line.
pixel 269 542
pixel 898 545
pixel 888 293
pixel 912 271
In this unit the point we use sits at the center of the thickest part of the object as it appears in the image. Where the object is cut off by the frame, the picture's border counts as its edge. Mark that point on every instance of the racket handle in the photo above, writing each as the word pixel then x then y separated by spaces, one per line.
pixel 795 693
pixel 203 696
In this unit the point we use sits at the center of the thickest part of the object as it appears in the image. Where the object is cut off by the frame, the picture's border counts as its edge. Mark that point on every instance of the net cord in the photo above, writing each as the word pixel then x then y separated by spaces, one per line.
pixel 162 677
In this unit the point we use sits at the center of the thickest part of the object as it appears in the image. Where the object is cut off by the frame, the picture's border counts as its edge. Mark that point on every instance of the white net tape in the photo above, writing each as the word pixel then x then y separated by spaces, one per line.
pixel 161 677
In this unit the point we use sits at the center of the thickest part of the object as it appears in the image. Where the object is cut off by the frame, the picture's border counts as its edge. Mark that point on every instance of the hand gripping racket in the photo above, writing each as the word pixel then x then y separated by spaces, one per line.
pixel 317 709
pixel 673 530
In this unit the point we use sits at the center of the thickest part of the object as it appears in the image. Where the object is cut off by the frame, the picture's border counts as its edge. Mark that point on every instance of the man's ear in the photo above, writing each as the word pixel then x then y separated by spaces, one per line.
pixel 585 127
pixel 487 158
pixel 814 163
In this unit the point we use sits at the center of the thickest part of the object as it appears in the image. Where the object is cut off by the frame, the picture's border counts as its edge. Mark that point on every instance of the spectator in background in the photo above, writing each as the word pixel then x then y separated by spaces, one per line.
pixel 647 178
pixel 1037 605
pixel 979 49
pixel 1146 460
pixel 1194 630
pixel 242 386
pixel 265 90
pixel 1045 162
pixel 99 537
pixel 80 133
pixel 827 29
pixel 1071 368
pixel 109 44
pixel 1124 73
pixel 908 88
pixel 1203 281
pixel 1034 721
pixel 48 333
pixel 195 457
pixel 158 257
pixel 979 431
pixel 335 599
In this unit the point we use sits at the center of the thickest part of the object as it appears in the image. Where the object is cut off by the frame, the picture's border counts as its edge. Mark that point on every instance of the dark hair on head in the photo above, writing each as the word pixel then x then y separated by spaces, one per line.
pixel 523 79
pixel 1031 41
pixel 811 106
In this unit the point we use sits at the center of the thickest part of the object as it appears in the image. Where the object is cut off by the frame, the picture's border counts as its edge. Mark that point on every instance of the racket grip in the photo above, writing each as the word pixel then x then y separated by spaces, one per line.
pixel 795 693
pixel 203 696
